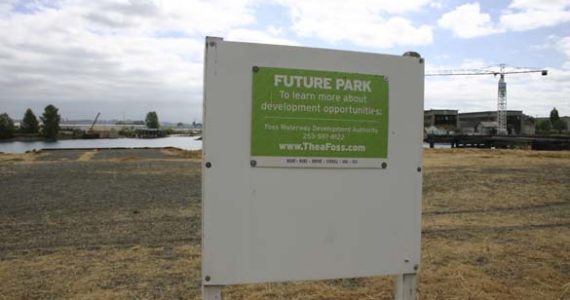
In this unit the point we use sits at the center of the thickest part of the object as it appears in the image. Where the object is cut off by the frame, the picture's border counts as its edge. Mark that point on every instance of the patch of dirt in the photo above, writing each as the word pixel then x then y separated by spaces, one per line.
pixel 87 156
pixel 194 154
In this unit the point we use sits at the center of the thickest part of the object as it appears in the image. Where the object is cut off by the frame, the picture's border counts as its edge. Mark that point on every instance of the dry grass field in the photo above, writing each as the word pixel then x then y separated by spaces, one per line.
pixel 125 224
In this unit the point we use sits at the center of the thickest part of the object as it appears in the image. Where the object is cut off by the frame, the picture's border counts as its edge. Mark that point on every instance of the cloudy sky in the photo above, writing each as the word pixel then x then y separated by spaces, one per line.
pixel 124 58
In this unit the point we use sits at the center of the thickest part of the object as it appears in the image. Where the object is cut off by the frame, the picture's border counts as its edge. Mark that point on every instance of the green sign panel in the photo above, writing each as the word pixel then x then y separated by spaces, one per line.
pixel 318 118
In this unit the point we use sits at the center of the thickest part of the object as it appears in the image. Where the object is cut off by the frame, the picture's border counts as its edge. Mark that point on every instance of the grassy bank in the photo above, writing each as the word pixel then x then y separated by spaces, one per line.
pixel 126 224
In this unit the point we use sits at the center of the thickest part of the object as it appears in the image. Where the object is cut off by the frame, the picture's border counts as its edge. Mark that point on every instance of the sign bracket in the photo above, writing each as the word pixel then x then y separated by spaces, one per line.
pixel 212 292
pixel 406 285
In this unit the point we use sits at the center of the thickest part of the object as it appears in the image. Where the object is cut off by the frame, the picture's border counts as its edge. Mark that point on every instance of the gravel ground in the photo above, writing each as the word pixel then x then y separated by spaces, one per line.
pixel 63 202
pixel 125 154
pixel 60 155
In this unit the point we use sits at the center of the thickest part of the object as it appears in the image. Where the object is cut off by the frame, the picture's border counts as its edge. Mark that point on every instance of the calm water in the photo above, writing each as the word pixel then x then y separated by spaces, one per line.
pixel 438 146
pixel 187 143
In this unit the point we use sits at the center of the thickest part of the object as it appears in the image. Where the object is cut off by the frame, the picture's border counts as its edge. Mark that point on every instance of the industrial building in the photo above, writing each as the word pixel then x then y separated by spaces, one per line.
pixel 441 121
pixel 482 123
pixel 447 121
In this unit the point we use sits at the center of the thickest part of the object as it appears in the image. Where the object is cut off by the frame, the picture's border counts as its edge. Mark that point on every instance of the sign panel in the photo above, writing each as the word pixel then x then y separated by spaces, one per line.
pixel 263 222
pixel 308 118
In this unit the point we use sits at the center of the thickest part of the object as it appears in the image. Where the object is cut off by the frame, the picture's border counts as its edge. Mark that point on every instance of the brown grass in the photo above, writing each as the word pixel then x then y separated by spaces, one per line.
pixel 87 156
pixel 105 273
pixel 191 154
pixel 24 157
pixel 496 225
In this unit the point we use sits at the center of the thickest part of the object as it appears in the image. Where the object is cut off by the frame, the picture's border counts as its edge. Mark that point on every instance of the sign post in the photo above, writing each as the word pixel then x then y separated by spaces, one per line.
pixel 212 292
pixel 406 285
pixel 311 165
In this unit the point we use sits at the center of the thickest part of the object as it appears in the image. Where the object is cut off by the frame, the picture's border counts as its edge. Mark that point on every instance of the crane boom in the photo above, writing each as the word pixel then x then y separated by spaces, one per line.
pixel 475 72
pixel 501 91
pixel 94 121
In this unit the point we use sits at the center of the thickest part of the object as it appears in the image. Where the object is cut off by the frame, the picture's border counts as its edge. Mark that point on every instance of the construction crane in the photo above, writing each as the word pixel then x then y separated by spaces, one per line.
pixel 91 134
pixel 502 87
pixel 94 121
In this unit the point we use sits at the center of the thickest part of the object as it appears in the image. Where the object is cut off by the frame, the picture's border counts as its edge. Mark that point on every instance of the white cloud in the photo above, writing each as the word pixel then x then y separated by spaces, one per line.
pixel 112 55
pixel 270 36
pixel 436 4
pixel 6 7
pixel 467 93
pixel 132 56
pixel 530 14
pixel 563 46
pixel 366 23
pixel 467 21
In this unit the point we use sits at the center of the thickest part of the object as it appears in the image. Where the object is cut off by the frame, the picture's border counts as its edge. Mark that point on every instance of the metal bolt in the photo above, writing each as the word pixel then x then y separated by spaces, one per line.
pixel 384 165
pixel 419 169
pixel 212 44
pixel 253 163
pixel 208 164
pixel 416 267
pixel 406 260
pixel 207 278
pixel 255 69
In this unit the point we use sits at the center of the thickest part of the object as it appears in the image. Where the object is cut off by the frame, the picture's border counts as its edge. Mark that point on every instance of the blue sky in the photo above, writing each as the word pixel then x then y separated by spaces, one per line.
pixel 126 57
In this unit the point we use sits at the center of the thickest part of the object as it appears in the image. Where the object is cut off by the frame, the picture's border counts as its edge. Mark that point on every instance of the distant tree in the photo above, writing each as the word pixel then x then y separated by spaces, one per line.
pixel 559 125
pixel 554 117
pixel 151 120
pixel 544 126
pixel 30 123
pixel 179 124
pixel 50 120
pixel 6 126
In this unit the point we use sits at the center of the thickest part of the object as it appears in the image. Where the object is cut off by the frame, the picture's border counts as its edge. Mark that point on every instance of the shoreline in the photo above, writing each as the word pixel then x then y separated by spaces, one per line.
pixel 22 146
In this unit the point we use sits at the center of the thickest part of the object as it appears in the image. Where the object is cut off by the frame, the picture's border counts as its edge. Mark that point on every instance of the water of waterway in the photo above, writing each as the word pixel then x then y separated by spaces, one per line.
pixel 438 145
pixel 186 143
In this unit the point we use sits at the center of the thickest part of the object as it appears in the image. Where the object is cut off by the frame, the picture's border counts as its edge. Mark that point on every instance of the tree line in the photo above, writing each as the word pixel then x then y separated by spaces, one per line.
pixel 553 123
pixel 49 127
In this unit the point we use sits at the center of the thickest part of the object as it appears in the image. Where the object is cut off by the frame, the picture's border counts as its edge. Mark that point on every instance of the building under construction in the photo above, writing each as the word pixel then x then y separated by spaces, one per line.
pixel 496 122
pixel 451 122
pixel 486 123
pixel 441 121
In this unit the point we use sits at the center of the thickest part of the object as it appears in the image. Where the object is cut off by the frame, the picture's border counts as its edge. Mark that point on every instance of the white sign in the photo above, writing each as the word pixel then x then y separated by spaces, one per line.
pixel 263 223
